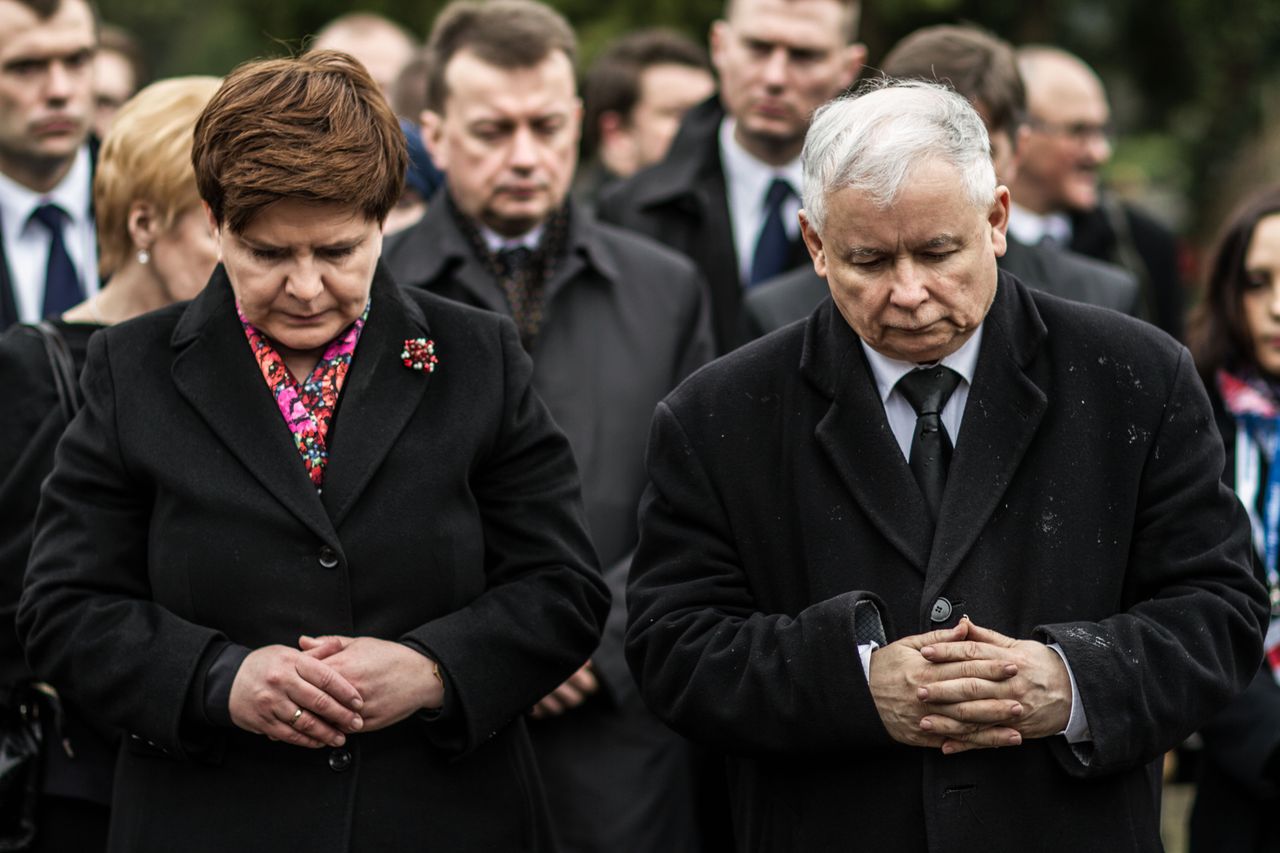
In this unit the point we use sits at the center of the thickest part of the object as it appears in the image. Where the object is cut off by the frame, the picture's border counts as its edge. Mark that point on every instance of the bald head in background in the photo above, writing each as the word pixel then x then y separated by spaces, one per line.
pixel 1065 141
pixel 379 44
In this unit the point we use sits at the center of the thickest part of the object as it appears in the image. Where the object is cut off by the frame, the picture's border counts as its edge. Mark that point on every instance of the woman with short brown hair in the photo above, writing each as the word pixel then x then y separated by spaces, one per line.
pixel 313 542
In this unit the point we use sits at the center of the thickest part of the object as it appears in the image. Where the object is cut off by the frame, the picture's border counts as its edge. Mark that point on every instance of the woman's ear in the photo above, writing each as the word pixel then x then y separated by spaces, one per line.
pixel 144 224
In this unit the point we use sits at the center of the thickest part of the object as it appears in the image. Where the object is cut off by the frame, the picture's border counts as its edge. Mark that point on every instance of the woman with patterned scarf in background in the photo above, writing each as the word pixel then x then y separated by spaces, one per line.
pixel 1234 335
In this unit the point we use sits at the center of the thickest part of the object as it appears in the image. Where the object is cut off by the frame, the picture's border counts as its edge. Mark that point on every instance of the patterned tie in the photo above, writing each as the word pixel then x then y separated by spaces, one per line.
pixel 773 248
pixel 927 390
pixel 516 277
pixel 62 288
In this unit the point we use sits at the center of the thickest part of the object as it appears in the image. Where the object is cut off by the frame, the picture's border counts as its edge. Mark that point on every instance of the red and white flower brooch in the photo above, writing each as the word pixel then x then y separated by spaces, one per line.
pixel 419 354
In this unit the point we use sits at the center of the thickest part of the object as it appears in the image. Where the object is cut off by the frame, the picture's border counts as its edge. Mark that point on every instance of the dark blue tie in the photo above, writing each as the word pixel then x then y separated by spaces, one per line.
pixel 773 249
pixel 62 288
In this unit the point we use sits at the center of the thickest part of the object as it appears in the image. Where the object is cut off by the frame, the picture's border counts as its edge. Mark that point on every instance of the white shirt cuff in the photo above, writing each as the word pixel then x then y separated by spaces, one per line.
pixel 1077 730
pixel 864 655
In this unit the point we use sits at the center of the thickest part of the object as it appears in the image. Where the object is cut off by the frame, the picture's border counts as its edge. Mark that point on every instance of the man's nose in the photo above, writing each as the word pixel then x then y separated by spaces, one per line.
pixel 1099 148
pixel 524 150
pixel 59 82
pixel 909 291
pixel 774 72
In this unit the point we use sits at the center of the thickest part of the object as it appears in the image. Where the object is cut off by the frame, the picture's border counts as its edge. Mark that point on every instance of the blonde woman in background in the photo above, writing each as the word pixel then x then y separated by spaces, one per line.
pixel 155 247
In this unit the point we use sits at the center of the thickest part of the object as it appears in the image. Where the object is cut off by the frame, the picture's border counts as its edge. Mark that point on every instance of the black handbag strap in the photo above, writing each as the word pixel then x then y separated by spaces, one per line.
pixel 63 366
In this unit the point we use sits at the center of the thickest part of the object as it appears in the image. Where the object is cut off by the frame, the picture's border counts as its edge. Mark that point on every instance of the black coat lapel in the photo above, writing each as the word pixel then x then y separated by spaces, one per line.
pixel 434 255
pixel 856 436
pixel 378 397
pixel 1006 404
pixel 216 372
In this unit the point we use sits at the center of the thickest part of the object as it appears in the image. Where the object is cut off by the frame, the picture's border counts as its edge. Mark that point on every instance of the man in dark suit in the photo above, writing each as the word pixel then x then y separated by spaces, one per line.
pixel 727 193
pixel 983 69
pixel 48 254
pixel 1064 143
pixel 613 322
pixel 861 615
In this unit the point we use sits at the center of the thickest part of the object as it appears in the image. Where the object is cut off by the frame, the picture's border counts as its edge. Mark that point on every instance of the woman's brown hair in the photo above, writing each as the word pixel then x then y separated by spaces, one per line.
pixel 1217 333
pixel 313 127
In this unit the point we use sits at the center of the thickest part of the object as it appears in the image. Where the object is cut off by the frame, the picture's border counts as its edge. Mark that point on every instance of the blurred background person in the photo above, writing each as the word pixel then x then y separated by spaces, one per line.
pixel 239 560
pixel 634 95
pixel 727 193
pixel 48 248
pixel 1064 144
pixel 613 322
pixel 156 247
pixel 1234 334
pixel 983 69
pixel 119 70
pixel 381 45
pixel 409 100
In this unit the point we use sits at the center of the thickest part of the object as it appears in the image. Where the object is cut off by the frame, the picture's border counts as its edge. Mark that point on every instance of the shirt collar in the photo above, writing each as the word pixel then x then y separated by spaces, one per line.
pixel 750 175
pixel 887 371
pixel 1029 227
pixel 496 242
pixel 73 194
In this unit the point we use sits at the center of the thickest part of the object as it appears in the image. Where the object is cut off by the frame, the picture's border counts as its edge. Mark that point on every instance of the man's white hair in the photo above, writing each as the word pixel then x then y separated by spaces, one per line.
pixel 871 140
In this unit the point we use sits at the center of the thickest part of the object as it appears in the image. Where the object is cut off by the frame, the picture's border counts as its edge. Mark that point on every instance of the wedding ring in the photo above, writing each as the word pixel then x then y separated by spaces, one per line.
pixel 297 715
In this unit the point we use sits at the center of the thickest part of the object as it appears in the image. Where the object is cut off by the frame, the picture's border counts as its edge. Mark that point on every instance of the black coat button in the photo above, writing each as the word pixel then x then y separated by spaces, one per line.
pixel 941 610
pixel 339 760
pixel 328 558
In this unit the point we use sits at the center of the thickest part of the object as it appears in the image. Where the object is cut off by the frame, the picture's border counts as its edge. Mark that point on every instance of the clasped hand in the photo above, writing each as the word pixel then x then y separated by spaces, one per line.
pixel 341 685
pixel 969 687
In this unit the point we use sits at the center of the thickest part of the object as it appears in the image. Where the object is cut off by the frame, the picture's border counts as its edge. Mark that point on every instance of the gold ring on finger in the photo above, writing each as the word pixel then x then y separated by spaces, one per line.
pixel 297 715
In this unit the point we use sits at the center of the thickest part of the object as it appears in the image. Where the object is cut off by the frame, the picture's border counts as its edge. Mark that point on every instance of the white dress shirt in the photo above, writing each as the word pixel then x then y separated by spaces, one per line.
pixel 902 420
pixel 26 243
pixel 747 182
pixel 496 242
pixel 1029 227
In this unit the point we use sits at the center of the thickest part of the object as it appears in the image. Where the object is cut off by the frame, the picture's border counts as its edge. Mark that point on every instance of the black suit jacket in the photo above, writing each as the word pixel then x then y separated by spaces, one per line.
pixel 793 295
pixel 1083 507
pixel 1121 234
pixel 178 518
pixel 624 321
pixel 682 203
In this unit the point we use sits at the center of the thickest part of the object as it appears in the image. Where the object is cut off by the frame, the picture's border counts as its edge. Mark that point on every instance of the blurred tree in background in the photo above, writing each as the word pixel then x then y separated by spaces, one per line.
pixel 1194 84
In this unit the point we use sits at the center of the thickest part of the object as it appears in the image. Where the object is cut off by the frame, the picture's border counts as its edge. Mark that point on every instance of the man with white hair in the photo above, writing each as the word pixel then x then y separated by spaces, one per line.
pixel 945 515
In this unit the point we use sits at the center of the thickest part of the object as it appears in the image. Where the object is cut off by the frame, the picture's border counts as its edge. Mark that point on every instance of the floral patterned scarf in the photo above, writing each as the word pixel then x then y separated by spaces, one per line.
pixel 308 406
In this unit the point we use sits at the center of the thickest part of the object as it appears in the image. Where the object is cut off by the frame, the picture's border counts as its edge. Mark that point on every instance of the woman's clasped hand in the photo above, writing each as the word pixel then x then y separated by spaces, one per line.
pixel 315 695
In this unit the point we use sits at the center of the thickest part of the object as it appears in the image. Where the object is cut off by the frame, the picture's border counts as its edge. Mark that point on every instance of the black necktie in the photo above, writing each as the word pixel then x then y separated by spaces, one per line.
pixel 773 248
pixel 62 288
pixel 927 391
pixel 520 286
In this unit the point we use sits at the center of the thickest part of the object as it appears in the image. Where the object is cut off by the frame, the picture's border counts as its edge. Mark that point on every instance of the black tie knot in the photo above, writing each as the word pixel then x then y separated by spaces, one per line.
pixel 779 191
pixel 928 389
pixel 513 261
pixel 50 216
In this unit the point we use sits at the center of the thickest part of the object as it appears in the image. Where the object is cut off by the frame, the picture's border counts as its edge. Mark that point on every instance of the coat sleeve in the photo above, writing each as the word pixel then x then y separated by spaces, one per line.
pixel 1192 636
pixel 541 613
pixel 708 662
pixel 86 618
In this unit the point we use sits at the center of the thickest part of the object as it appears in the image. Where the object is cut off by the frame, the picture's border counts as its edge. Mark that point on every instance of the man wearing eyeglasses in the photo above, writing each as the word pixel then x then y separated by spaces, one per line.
pixel 1064 143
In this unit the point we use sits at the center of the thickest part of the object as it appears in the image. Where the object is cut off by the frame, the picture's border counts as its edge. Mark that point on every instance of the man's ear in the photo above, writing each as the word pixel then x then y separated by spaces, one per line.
pixel 998 219
pixel 432 126
pixel 718 41
pixel 813 242
pixel 852 58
